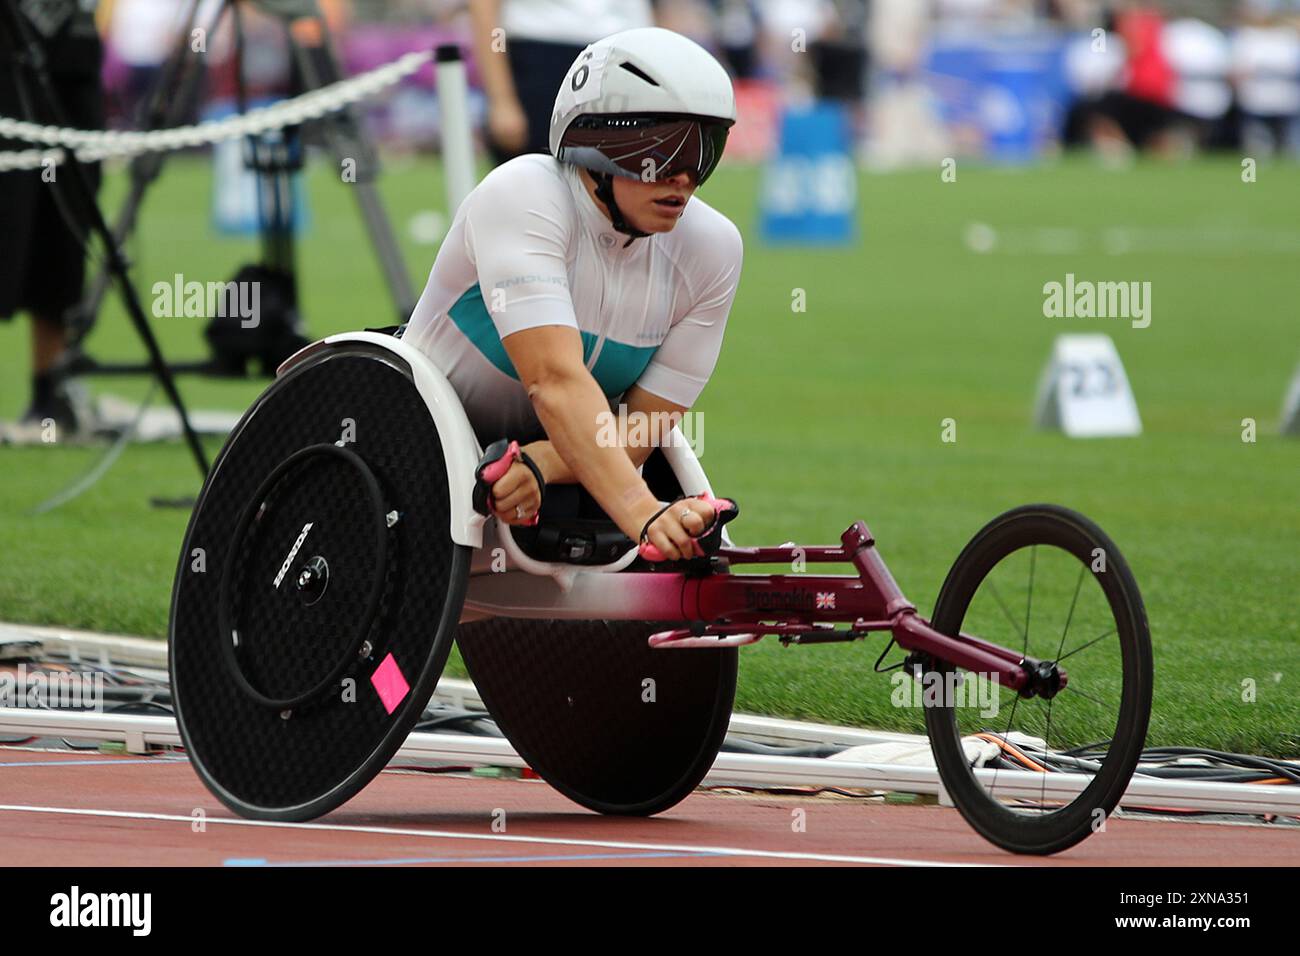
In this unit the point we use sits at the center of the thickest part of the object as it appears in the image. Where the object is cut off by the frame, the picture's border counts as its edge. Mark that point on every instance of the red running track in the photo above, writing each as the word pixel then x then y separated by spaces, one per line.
pixel 92 809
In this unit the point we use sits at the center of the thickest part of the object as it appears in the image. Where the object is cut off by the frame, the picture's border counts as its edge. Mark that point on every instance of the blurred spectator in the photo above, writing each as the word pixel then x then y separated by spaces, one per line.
pixel 1093 67
pixel 42 244
pixel 787 28
pixel 839 53
pixel 905 125
pixel 1140 112
pixel 523 48
pixel 1266 66
pixel 142 34
pixel 1198 54
pixel 738 36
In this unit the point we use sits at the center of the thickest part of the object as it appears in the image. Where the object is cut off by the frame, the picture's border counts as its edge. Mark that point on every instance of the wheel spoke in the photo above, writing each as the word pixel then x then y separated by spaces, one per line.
pixel 1024 629
pixel 1083 647
pixel 1001 752
pixel 1070 616
pixel 1011 618
pixel 1074 690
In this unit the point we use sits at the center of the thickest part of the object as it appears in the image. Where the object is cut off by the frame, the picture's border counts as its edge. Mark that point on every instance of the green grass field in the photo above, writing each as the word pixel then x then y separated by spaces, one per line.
pixel 816 418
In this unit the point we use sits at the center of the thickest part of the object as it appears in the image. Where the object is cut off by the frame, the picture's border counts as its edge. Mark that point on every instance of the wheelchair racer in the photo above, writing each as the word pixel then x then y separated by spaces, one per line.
pixel 573 282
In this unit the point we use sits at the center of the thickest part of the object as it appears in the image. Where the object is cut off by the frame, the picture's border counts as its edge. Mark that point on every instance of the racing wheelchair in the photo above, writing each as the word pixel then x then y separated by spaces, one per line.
pixel 326 572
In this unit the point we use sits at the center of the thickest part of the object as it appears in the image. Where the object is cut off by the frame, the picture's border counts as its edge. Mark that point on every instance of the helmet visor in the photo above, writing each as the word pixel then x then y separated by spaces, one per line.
pixel 648 148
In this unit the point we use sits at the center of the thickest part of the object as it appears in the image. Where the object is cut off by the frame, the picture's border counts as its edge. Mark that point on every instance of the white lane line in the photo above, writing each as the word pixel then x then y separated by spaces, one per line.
pixel 491 837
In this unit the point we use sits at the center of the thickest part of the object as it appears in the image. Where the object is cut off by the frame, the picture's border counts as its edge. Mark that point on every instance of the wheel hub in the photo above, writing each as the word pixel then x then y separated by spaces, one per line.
pixel 313 577
pixel 1044 678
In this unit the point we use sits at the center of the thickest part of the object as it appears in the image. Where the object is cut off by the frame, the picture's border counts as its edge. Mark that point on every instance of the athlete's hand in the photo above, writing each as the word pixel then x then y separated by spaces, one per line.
pixel 516 497
pixel 509 484
pixel 674 532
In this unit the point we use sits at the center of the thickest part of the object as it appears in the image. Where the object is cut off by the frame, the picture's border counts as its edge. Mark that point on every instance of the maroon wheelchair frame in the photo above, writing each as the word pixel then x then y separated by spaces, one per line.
pixel 742 609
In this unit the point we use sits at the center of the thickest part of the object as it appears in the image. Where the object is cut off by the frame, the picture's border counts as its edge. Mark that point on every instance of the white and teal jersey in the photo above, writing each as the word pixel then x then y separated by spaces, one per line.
pixel 529 247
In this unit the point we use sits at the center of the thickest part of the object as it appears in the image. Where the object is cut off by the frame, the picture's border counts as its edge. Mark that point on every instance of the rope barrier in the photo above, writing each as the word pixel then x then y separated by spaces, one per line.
pixel 91 145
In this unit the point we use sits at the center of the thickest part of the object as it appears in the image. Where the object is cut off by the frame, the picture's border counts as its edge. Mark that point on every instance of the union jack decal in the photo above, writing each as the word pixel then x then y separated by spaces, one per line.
pixel 825 600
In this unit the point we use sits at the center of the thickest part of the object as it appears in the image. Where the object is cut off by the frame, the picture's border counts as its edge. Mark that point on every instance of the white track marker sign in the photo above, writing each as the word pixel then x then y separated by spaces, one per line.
pixel 1084 391
pixel 1291 406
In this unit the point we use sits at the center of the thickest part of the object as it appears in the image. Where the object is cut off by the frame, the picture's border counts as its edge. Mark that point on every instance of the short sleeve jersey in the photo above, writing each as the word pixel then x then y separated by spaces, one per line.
pixel 529 247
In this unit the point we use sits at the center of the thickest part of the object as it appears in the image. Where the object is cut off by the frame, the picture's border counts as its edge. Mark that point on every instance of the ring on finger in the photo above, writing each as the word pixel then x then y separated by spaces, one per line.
pixel 519 512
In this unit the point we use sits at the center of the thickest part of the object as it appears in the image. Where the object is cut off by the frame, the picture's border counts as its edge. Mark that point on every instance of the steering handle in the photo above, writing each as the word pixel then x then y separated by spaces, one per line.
pixel 707 541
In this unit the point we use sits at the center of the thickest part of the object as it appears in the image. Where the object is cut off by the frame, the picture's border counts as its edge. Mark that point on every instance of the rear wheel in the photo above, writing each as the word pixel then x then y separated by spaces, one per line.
pixel 605 719
pixel 1038 774
pixel 318 589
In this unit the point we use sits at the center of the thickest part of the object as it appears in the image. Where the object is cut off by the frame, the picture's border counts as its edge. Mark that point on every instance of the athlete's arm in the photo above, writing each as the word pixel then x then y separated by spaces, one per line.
pixel 641 407
pixel 572 408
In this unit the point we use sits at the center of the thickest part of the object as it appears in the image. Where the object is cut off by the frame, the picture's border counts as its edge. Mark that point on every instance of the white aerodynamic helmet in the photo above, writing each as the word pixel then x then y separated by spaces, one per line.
pixel 646 104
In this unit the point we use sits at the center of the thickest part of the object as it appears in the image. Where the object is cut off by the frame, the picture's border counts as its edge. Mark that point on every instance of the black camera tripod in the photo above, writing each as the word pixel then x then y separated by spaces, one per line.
pixel 273 159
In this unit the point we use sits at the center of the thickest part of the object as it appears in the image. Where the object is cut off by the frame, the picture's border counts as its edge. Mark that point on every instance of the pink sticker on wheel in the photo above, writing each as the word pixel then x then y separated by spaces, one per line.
pixel 389 683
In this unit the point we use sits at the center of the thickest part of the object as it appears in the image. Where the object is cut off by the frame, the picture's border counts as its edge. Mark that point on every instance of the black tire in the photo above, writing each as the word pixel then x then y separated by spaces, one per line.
pixel 1037 829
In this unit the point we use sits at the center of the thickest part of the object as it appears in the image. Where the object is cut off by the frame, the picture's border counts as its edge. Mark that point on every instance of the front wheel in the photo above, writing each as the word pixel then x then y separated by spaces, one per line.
pixel 1038 774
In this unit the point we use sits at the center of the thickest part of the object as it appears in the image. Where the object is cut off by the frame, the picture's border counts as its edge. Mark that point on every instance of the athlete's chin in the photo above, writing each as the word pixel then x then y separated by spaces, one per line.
pixel 659 221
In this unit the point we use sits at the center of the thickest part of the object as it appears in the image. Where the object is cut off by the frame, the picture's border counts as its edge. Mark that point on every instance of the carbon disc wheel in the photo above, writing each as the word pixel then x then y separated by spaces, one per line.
pixel 318 588
pixel 1038 774
pixel 614 725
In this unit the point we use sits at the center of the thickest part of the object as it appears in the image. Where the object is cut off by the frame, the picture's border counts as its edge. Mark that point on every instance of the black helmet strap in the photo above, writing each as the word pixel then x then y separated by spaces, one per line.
pixel 605 193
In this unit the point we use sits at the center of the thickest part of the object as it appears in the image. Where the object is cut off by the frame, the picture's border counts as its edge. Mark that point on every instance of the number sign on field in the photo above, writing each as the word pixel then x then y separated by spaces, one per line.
pixel 1084 391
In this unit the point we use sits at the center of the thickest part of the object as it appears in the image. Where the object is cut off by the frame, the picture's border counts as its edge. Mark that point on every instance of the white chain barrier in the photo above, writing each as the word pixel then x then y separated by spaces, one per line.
pixel 91 145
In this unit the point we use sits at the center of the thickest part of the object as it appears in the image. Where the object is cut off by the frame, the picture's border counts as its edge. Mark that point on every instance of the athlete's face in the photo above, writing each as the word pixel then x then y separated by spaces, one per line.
pixel 653 207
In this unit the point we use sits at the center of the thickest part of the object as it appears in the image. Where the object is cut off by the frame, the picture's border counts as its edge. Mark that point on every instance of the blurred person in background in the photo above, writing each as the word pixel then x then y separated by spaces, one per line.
pixel 1139 111
pixel 1198 54
pixel 1075 14
pixel 737 35
pixel 1093 67
pixel 142 34
pixel 787 29
pixel 1266 69
pixel 691 18
pixel 42 242
pixel 839 53
pixel 522 66
pixel 905 127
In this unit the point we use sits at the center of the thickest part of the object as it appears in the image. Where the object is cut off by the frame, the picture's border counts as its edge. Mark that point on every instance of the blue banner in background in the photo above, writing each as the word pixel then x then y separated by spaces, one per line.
pixel 810 186
pixel 1010 92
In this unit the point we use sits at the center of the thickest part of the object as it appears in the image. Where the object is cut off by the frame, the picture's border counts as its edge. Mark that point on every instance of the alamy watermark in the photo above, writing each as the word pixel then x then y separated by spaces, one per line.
pixel 133 911
pixel 207 300
pixel 41 690
pixel 957 689
pixel 623 429
pixel 1084 299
